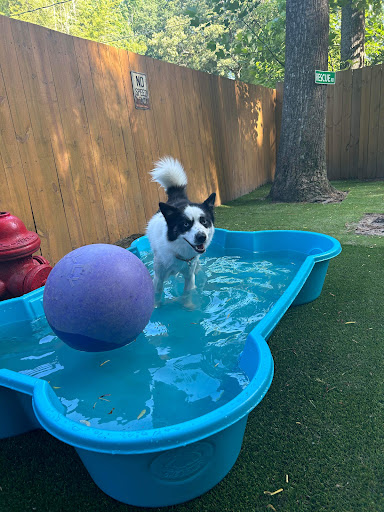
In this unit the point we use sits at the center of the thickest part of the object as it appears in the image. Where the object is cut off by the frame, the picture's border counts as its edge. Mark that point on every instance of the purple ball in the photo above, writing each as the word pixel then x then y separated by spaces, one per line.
pixel 98 297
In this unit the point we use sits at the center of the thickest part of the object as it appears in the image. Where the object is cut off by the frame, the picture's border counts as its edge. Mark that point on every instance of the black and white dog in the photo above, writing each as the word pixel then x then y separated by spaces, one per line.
pixel 181 231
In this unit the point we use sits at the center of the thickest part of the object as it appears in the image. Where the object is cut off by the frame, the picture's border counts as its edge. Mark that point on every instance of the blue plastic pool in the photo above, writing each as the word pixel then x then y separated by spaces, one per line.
pixel 162 420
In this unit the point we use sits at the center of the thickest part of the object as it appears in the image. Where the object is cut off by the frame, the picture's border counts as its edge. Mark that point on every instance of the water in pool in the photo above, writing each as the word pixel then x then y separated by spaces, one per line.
pixel 182 366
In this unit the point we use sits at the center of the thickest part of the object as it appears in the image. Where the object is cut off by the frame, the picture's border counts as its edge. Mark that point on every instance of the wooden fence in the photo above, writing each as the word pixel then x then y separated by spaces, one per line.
pixel 75 153
pixel 355 123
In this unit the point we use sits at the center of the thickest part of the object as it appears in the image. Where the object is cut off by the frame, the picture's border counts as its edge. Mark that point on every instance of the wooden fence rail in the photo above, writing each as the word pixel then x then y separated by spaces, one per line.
pixel 75 152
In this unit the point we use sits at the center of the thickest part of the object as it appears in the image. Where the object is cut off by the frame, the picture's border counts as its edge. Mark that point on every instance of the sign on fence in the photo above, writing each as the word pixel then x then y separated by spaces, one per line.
pixel 140 90
pixel 325 77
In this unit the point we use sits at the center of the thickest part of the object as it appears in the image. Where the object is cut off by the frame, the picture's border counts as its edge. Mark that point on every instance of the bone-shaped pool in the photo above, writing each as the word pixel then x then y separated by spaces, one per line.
pixel 168 410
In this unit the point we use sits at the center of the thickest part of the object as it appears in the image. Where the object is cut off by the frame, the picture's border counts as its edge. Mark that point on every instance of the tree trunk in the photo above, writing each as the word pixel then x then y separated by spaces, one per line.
pixel 352 47
pixel 301 171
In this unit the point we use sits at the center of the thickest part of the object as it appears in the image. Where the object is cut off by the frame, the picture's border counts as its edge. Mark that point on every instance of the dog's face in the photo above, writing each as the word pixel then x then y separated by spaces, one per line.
pixel 191 225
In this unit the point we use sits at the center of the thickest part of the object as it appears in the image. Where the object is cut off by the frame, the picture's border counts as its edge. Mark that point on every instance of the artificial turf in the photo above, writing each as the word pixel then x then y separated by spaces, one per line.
pixel 319 432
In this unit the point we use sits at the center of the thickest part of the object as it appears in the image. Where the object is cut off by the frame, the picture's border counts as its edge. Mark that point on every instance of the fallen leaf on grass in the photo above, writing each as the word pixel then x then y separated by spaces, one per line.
pixel 271 507
pixel 349 323
pixel 274 492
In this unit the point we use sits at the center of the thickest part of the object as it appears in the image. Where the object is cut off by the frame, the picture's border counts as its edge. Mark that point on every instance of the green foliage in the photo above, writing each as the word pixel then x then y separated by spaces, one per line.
pixel 243 39
pixel 4 7
pixel 99 20
pixel 374 36
pixel 251 46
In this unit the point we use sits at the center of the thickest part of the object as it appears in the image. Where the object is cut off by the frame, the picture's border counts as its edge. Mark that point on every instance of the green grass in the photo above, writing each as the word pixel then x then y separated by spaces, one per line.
pixel 321 422
pixel 255 212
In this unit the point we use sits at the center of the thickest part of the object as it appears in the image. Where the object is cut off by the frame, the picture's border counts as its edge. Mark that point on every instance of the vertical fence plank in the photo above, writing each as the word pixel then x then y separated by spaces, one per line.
pixel 364 121
pixel 345 171
pixel 355 123
pixel 232 136
pixel 197 94
pixel 329 133
pixel 209 139
pixel 5 195
pixel 374 111
pixel 380 145
pixel 336 124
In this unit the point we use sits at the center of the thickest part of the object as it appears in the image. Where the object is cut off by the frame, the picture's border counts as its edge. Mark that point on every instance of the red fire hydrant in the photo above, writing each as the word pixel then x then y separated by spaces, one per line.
pixel 20 272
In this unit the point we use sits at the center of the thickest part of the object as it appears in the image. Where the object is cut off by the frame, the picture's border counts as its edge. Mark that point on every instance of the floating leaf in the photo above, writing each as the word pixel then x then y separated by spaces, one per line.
pixel 107 361
pixel 85 422
pixel 111 411
pixel 141 414
pixel 56 387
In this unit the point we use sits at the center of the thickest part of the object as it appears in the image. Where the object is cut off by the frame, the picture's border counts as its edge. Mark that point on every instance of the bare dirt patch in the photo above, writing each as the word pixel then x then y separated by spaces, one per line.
pixel 371 224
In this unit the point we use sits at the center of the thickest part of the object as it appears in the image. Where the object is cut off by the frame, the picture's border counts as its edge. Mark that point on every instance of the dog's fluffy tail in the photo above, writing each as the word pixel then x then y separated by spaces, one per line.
pixel 169 173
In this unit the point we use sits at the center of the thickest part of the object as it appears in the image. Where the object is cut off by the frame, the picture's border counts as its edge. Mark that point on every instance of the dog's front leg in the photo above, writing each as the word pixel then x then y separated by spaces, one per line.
pixel 158 284
pixel 189 282
pixel 189 285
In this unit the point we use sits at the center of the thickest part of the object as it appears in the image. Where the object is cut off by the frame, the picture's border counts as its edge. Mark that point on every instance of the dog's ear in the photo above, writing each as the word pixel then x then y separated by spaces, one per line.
pixel 168 211
pixel 210 202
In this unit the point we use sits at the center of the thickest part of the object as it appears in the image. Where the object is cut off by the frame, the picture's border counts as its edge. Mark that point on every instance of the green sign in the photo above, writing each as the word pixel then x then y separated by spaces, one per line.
pixel 325 77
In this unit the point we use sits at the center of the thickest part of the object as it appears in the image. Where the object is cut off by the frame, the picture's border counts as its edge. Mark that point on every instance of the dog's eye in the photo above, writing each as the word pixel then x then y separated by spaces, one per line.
pixel 203 221
pixel 186 224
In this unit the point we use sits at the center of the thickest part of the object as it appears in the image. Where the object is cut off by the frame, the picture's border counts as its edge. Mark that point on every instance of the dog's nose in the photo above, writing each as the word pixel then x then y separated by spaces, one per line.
pixel 200 238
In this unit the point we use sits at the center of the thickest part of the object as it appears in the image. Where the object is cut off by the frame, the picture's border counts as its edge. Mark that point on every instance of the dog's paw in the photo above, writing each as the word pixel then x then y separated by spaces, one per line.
pixel 189 304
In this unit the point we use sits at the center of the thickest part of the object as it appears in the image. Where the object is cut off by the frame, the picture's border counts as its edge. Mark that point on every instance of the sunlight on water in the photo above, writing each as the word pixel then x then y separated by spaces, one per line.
pixel 182 366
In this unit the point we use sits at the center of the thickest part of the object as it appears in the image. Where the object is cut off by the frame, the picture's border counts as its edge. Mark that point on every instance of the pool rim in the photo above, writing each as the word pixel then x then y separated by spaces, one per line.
pixel 50 412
